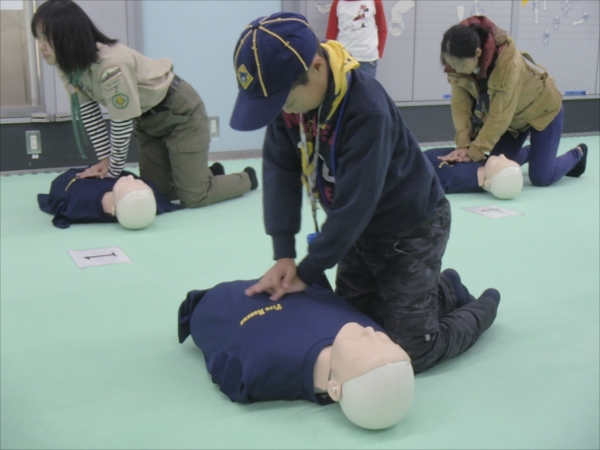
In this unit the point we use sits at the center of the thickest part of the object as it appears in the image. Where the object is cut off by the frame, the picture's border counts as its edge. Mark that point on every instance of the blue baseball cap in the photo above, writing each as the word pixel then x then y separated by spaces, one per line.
pixel 272 52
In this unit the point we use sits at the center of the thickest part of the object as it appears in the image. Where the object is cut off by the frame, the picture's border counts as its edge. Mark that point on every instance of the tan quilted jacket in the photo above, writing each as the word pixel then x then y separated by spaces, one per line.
pixel 521 95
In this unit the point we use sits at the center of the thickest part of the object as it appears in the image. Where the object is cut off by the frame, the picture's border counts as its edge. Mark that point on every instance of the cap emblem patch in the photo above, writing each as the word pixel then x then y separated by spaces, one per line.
pixel 244 76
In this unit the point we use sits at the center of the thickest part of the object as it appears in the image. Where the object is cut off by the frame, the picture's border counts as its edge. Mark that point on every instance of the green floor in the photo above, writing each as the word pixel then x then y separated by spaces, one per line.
pixel 90 357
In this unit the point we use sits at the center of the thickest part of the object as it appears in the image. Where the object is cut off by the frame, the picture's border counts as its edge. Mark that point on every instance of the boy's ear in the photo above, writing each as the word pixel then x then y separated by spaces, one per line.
pixel 318 63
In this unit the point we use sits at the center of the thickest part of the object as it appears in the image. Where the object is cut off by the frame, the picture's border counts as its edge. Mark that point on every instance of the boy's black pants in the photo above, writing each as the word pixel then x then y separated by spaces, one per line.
pixel 395 279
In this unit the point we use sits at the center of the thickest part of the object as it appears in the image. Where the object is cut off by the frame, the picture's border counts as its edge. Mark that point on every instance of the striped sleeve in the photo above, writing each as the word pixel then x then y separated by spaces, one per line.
pixel 95 126
pixel 120 136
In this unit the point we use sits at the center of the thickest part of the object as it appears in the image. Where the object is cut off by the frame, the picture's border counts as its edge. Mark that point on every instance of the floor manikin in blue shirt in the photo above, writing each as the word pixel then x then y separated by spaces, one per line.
pixel 83 200
pixel 310 345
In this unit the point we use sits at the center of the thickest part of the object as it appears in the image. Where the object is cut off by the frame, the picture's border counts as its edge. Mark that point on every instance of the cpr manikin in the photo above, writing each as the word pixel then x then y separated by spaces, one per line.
pixel 132 202
pixel 311 345
pixel 76 200
pixel 501 177
pixel 369 375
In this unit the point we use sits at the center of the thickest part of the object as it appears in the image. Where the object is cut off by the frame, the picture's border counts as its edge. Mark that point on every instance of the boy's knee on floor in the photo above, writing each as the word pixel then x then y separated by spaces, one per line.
pixel 418 347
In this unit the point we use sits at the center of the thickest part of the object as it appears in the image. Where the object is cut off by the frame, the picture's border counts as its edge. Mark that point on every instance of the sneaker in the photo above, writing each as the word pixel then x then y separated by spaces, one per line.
pixel 580 166
pixel 253 178
pixel 217 169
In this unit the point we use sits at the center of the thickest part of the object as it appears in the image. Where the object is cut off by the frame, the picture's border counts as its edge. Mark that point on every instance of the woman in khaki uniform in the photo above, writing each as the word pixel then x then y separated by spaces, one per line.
pixel 168 115
pixel 499 99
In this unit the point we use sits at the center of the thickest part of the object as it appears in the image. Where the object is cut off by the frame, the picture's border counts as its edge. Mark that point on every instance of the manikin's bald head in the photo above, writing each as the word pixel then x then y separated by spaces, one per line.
pixel 132 201
pixel 371 377
pixel 501 176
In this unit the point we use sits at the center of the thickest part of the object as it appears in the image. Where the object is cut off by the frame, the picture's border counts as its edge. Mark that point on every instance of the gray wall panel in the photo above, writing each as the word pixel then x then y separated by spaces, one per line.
pixel 410 69
pixel 598 75
pixel 317 20
pixel 433 19
pixel 58 147
pixel 395 69
pixel 429 124
pixel 568 50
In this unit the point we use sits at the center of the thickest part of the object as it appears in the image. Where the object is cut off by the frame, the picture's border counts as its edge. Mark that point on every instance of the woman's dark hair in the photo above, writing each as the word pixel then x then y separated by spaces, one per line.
pixel 70 32
pixel 461 41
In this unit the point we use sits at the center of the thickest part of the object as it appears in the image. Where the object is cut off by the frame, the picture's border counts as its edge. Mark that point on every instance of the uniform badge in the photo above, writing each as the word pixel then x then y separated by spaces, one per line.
pixel 110 75
pixel 244 76
pixel 111 72
pixel 120 101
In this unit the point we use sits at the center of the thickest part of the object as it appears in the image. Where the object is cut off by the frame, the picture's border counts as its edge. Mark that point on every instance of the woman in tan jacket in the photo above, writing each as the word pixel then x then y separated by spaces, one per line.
pixel 499 99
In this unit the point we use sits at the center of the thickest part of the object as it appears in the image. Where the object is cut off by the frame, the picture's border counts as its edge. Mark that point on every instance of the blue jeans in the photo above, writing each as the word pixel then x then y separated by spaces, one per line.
pixel 544 167
pixel 369 67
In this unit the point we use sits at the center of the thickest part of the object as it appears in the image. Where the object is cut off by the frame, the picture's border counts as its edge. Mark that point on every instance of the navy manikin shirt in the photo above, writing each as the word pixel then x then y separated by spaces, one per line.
pixel 79 200
pixel 257 349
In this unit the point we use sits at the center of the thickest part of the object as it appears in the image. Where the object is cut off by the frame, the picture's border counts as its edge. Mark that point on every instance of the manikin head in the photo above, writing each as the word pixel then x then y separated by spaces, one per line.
pixel 501 176
pixel 133 203
pixel 371 377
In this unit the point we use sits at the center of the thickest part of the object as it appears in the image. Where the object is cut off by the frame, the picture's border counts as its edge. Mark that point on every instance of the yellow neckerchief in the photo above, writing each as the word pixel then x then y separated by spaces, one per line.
pixel 340 63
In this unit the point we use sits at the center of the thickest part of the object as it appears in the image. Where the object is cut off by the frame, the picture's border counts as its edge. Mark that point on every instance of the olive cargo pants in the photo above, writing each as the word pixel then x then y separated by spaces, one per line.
pixel 173 140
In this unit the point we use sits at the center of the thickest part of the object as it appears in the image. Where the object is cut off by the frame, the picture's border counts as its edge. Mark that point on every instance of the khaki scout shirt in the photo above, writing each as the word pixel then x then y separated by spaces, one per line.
pixel 520 96
pixel 126 82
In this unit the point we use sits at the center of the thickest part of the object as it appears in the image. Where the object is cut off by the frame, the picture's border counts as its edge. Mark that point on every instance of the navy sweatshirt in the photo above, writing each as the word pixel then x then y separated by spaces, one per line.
pixel 79 200
pixel 382 182
pixel 257 349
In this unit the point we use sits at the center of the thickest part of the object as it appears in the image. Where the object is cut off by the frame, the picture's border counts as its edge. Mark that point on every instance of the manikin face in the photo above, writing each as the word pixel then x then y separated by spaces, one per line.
pixel 357 350
pixel 128 184
pixel 46 49
pixel 304 98
pixel 464 66
pixel 493 165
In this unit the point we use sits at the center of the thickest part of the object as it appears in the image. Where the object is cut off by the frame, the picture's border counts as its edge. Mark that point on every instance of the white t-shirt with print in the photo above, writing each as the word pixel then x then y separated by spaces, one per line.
pixel 357 29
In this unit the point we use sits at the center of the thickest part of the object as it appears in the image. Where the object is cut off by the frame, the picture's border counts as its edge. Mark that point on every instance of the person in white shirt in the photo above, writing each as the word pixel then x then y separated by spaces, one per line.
pixel 359 26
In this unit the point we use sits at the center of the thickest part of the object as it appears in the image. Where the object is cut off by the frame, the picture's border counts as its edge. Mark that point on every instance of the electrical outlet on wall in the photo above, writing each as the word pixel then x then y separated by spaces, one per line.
pixel 213 126
pixel 33 142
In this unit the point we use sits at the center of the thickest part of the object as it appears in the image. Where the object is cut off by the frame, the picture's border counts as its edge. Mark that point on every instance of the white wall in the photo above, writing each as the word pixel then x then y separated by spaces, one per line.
pixel 200 36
